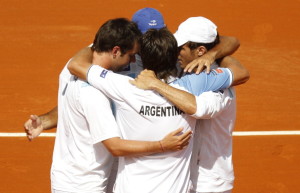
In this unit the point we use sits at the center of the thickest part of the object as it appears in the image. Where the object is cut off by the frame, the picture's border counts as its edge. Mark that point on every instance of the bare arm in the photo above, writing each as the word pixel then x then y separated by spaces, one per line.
pixel 183 100
pixel 49 119
pixel 172 142
pixel 81 62
pixel 227 46
pixel 240 73
pixel 36 124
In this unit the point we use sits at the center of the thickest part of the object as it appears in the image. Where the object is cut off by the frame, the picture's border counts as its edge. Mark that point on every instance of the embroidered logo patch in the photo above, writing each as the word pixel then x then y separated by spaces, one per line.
pixel 218 70
pixel 152 23
pixel 103 73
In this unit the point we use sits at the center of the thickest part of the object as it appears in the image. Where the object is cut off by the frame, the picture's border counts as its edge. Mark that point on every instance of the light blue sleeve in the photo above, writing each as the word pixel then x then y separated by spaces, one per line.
pixel 217 79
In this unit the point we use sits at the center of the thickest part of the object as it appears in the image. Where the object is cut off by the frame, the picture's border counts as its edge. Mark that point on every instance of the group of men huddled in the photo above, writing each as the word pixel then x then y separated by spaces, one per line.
pixel 169 123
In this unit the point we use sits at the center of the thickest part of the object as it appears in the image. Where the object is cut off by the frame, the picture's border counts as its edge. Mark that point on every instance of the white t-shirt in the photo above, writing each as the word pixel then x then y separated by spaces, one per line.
pixel 202 85
pixel 211 165
pixel 80 162
pixel 145 115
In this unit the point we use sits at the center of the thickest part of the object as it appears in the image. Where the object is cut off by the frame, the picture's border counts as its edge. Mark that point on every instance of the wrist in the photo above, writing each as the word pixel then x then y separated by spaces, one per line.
pixel 161 146
pixel 213 54
pixel 41 119
pixel 156 85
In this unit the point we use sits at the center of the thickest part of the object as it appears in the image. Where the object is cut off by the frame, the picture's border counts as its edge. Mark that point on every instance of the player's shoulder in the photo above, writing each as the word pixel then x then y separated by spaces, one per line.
pixel 89 93
pixel 220 71
pixel 84 87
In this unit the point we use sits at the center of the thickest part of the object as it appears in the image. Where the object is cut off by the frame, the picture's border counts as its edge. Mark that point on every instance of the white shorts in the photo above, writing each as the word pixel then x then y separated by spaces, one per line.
pixel 228 191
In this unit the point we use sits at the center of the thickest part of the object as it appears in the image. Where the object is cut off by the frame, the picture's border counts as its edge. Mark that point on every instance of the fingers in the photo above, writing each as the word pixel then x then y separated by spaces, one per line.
pixel 189 67
pixel 186 138
pixel 180 134
pixel 186 134
pixel 29 125
pixel 176 132
pixel 132 82
pixel 27 130
pixel 184 145
pixel 146 74
pixel 26 124
pixel 34 117
pixel 207 65
pixel 200 68
pixel 29 137
pixel 183 139
pixel 144 71
pixel 199 64
pixel 138 83
pixel 193 65
pixel 208 69
pixel 35 122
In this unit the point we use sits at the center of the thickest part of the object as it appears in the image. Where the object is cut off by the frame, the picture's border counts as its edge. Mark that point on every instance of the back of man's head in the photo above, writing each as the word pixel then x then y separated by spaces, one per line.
pixel 148 18
pixel 197 30
pixel 159 52
pixel 116 32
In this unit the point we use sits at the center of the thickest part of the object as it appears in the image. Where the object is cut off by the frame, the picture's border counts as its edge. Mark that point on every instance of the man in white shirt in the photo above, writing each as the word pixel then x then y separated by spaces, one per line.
pixel 211 165
pixel 80 162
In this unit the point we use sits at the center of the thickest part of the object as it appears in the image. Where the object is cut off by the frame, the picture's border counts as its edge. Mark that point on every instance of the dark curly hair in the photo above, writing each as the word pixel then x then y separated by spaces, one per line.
pixel 159 52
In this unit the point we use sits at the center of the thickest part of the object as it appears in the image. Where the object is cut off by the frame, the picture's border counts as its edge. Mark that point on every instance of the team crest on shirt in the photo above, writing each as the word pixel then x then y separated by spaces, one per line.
pixel 103 73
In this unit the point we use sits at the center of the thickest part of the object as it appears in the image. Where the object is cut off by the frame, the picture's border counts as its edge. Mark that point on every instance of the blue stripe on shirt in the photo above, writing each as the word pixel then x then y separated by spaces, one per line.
pixel 217 79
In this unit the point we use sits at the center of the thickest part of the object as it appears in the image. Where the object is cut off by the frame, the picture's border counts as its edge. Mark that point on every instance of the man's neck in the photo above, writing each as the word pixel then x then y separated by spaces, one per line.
pixel 102 59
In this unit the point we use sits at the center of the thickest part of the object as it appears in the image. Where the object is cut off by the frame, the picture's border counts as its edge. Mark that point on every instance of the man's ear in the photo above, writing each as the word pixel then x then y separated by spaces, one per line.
pixel 116 51
pixel 201 50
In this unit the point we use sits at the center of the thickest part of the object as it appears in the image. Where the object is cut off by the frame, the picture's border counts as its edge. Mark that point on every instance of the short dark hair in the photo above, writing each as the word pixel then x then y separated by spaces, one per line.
pixel 159 52
pixel 208 46
pixel 116 32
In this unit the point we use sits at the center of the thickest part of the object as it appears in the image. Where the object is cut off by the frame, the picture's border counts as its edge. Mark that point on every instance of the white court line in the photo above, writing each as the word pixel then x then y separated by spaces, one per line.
pixel 24 135
pixel 236 133
pixel 256 133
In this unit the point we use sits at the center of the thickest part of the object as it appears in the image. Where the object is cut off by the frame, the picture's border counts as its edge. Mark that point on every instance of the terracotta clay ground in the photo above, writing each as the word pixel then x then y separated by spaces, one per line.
pixel 38 37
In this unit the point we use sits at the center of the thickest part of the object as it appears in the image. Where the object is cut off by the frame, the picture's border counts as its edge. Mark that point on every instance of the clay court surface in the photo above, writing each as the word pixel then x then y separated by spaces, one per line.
pixel 38 37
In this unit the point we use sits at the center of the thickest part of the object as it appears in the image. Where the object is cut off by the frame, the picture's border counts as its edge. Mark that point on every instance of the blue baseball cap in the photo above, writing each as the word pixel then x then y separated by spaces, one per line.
pixel 148 18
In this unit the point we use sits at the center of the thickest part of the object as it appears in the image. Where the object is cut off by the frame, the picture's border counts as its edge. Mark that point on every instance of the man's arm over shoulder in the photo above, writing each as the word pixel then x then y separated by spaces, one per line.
pixel 147 80
pixel 105 128
pixel 217 79
pixel 240 73
pixel 227 46
pixel 211 104
pixel 113 85
pixel 184 100
pixel 80 63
